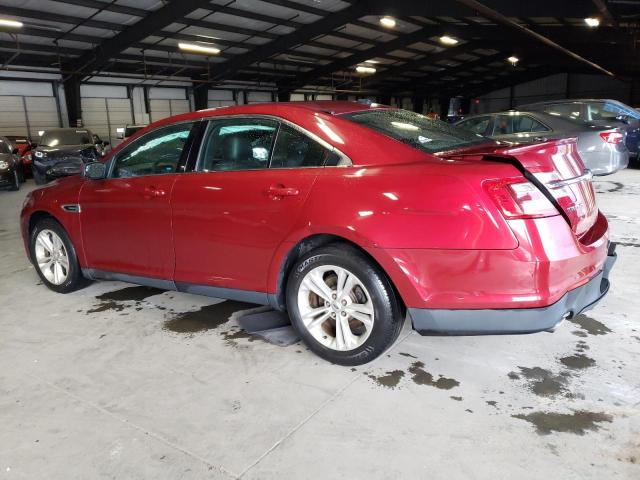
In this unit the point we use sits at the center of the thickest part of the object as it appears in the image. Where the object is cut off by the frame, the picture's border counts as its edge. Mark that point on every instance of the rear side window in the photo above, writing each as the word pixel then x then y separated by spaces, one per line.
pixel 525 123
pixel 477 125
pixel 416 130
pixel 570 110
pixel 503 125
pixel 156 153
pixel 294 149
pixel 242 144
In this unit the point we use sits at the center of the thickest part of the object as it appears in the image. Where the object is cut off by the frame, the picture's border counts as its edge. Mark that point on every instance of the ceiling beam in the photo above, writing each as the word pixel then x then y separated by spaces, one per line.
pixel 291 40
pixel 152 23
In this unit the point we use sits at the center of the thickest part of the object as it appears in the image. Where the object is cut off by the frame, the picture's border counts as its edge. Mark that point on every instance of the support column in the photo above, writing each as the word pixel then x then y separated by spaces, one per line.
pixel 384 99
pixel 284 96
pixel 200 96
pixel 418 104
pixel 72 97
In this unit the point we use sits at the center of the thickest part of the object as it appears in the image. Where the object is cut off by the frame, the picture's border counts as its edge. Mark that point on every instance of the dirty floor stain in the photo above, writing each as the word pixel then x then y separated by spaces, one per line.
pixel 542 382
pixel 578 361
pixel 205 318
pixel 389 380
pixel 590 325
pixel 112 301
pixel 422 377
pixel 578 422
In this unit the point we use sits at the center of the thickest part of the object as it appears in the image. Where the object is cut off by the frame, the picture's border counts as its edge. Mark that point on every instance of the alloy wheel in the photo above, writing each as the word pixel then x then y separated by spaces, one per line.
pixel 335 307
pixel 52 257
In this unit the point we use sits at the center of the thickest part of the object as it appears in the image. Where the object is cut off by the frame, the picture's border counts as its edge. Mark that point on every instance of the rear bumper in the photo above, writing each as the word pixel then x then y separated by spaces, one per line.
pixel 516 320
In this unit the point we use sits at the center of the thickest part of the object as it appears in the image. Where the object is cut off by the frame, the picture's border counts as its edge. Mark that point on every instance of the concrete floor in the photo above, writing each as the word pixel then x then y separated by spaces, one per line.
pixel 127 383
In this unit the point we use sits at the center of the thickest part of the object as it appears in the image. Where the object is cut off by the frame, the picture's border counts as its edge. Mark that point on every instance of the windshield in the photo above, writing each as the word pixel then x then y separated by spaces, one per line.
pixel 416 130
pixel 55 138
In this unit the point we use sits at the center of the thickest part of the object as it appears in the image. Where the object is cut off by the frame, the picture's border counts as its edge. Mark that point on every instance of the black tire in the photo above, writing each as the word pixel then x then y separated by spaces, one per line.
pixel 74 279
pixel 39 178
pixel 16 180
pixel 388 312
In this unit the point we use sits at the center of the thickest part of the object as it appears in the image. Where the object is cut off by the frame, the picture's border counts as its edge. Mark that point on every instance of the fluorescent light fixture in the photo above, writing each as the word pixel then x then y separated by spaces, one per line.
pixel 10 23
pixel 195 48
pixel 388 22
pixel 592 22
pixel 513 60
pixel 447 40
pixel 363 69
pixel 373 62
pixel 40 133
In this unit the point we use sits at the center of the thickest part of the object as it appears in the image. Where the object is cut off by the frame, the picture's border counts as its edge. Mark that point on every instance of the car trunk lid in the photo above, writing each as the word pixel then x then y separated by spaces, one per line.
pixel 555 168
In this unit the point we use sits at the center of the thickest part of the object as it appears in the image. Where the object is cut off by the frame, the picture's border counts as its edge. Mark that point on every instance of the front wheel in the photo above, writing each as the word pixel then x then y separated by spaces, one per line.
pixel 54 257
pixel 343 305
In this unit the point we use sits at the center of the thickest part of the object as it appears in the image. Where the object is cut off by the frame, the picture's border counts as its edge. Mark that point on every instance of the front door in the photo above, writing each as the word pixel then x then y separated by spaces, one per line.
pixel 243 200
pixel 126 218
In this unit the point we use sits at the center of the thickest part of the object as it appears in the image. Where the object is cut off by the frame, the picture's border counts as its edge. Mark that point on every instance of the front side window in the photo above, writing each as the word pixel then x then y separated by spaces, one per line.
pixel 294 149
pixel 156 153
pixel 415 130
pixel 476 125
pixel 243 144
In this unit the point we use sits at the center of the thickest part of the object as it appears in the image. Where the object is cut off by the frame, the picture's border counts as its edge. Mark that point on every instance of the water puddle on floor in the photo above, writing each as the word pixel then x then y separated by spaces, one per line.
pixel 113 301
pixel 542 382
pixel 422 377
pixel 578 361
pixel 389 380
pixel 590 325
pixel 206 318
pixel 578 422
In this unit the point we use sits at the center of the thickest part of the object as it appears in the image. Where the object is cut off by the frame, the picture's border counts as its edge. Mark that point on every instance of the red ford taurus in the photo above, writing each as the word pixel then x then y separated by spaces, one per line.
pixel 345 215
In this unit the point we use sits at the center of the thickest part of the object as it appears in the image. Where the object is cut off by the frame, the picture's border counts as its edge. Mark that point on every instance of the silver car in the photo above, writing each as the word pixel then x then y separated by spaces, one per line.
pixel 602 148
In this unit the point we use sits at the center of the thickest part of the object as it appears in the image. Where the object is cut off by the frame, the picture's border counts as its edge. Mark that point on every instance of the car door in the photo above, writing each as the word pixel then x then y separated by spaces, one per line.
pixel 244 197
pixel 126 217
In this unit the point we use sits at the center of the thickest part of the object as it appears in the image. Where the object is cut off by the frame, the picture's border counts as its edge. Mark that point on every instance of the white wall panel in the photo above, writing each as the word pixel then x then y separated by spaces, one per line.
pixel 13 120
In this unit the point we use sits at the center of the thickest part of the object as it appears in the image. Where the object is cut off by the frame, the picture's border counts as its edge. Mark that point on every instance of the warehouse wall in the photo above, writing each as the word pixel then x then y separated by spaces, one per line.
pixel 557 87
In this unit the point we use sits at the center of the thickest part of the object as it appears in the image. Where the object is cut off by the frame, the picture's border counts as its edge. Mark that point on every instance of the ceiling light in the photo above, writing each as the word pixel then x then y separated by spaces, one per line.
pixel 193 47
pixel 513 60
pixel 388 22
pixel 447 40
pixel 592 22
pixel 10 23
pixel 371 61
pixel 363 69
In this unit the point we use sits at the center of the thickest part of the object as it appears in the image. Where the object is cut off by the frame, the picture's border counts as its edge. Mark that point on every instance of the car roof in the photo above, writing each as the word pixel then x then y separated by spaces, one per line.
pixel 332 107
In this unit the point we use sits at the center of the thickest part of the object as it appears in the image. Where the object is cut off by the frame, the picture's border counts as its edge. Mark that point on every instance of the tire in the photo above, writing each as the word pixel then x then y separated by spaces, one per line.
pixel 39 178
pixel 73 279
pixel 16 180
pixel 369 296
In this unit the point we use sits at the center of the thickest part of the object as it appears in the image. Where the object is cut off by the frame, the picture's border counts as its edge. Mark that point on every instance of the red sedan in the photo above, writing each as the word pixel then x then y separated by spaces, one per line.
pixel 345 215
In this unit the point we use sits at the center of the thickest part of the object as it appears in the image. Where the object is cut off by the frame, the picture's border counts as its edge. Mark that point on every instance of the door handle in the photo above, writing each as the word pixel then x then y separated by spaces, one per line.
pixel 153 192
pixel 282 191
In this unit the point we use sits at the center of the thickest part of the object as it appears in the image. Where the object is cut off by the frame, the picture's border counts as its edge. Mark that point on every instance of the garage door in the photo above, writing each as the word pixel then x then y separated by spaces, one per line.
pixel 104 115
pixel 27 115
pixel 165 108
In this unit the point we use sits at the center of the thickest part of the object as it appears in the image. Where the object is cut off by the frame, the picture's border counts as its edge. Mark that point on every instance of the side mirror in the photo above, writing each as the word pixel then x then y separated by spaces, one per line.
pixel 15 151
pixel 105 143
pixel 95 170
pixel 34 145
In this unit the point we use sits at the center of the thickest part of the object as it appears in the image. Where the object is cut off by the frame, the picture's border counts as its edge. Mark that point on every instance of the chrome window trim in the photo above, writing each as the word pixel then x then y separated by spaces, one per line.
pixel 344 161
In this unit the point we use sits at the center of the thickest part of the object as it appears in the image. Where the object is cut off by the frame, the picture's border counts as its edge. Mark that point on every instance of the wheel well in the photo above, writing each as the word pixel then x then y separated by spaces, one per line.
pixel 311 243
pixel 36 217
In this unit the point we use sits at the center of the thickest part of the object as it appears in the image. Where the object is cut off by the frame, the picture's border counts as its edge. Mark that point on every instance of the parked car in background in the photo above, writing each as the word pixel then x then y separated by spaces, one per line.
pixel 61 152
pixel 345 215
pixel 23 144
pixel 601 148
pixel 597 112
pixel 127 131
pixel 11 174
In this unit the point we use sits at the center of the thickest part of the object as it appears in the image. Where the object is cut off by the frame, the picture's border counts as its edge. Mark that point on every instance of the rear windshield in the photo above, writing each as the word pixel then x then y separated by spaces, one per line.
pixel 66 137
pixel 416 130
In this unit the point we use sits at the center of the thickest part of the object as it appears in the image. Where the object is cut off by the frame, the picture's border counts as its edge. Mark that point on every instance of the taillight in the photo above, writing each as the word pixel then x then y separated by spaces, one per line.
pixel 519 199
pixel 612 137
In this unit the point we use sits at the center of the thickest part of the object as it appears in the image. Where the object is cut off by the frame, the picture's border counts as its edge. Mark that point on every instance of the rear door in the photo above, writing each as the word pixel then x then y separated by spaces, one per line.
pixel 247 191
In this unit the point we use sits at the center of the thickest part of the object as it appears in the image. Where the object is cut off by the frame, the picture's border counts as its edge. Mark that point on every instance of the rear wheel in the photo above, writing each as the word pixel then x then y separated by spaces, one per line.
pixel 342 305
pixel 16 180
pixel 54 257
